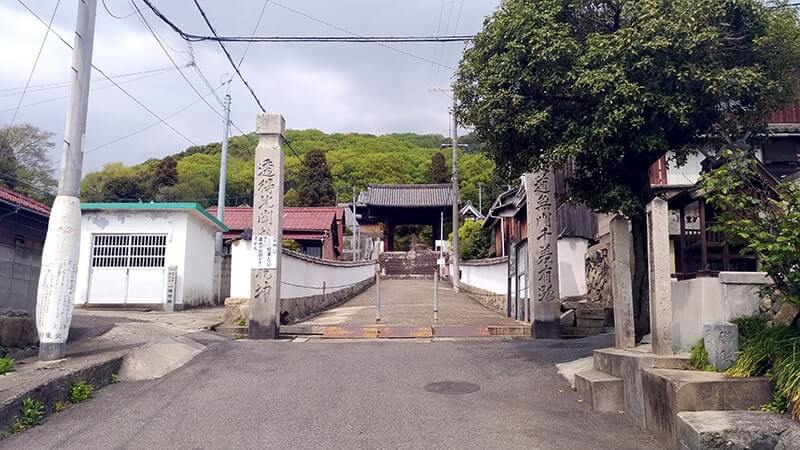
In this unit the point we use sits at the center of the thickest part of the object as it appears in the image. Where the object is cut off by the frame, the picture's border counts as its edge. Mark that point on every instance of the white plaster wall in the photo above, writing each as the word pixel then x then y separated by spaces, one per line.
pixel 296 271
pixel 489 277
pixel 198 276
pixel 686 174
pixel 572 266
pixel 171 223
pixel 705 300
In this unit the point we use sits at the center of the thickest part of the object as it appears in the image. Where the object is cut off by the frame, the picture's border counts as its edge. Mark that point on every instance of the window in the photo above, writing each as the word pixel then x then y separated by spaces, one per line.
pixel 129 250
pixel 313 250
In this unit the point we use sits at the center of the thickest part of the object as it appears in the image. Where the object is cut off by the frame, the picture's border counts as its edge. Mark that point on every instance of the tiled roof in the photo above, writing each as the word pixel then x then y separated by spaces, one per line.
pixel 294 219
pixel 407 195
pixel 23 201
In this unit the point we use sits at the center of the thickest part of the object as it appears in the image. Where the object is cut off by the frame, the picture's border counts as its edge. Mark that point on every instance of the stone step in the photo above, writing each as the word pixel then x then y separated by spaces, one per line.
pixel 668 392
pixel 601 391
pixel 736 429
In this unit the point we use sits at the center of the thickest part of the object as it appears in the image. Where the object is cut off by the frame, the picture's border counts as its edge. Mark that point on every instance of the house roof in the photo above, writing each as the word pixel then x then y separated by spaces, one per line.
pixel 470 209
pixel 193 208
pixel 304 219
pixel 14 198
pixel 407 195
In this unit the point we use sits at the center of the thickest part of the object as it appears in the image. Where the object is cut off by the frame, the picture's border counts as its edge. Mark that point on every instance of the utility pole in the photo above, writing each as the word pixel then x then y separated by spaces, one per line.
pixel 223 167
pixel 480 197
pixel 59 268
pixel 454 142
pixel 354 231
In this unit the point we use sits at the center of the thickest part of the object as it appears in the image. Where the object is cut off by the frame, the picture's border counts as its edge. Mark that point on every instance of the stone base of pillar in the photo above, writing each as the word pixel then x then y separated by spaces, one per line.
pixel 257 330
pixel 52 351
pixel 546 329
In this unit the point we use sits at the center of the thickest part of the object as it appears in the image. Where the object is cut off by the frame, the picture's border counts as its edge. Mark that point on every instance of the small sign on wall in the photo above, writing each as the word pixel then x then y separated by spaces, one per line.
pixel 265 251
pixel 172 286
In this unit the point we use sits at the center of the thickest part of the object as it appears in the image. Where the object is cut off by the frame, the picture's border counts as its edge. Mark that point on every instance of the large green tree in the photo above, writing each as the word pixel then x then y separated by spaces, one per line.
pixel 316 182
pixel 613 85
pixel 25 160
pixel 439 173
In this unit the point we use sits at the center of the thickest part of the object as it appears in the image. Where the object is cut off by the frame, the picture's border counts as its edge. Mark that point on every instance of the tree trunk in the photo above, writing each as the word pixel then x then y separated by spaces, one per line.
pixel 641 289
pixel 640 187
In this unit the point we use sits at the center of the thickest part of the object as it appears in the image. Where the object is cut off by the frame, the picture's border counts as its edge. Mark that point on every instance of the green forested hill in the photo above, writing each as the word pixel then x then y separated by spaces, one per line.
pixel 355 160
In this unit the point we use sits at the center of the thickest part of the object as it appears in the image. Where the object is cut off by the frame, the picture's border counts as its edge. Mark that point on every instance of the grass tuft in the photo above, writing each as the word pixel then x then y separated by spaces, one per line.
pixel 7 364
pixel 80 391
pixel 698 358
pixel 32 414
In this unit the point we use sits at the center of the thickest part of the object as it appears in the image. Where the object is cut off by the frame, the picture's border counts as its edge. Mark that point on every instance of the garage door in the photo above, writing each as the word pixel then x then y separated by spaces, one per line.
pixel 127 268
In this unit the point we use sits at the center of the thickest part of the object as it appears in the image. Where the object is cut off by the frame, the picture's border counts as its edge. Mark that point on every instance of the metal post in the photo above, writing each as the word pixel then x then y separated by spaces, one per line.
pixel 59 267
pixel 480 197
pixel 354 231
pixel 436 296
pixel 455 250
pixel 223 168
pixel 378 290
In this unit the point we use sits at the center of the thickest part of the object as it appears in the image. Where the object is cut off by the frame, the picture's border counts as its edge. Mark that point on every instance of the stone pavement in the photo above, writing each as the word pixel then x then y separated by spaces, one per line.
pixel 410 303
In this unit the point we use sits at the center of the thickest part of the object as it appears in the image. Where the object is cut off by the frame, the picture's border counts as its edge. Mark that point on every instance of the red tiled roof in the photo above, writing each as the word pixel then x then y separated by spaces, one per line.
pixel 310 219
pixel 17 199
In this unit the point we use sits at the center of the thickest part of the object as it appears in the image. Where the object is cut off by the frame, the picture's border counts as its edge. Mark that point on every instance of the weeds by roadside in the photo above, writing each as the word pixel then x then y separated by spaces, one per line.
pixel 698 358
pixel 32 414
pixel 7 364
pixel 80 391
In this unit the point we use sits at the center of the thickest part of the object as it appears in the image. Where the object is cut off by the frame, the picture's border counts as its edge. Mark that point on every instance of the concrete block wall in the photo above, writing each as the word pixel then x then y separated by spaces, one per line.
pixel 19 277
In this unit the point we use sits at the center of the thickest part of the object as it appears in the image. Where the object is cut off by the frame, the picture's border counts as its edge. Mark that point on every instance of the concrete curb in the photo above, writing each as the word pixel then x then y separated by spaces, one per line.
pixel 55 386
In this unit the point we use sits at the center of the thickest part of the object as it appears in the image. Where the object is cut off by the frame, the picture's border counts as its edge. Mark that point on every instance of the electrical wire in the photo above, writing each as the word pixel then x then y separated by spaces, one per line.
pixel 141 130
pixel 255 29
pixel 35 62
pixel 101 72
pixel 97 88
pixel 63 84
pixel 116 16
pixel 227 54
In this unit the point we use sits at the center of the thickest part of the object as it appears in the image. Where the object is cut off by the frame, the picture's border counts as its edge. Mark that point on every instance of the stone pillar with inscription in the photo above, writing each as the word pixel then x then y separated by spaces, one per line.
pixel 545 301
pixel 659 276
pixel 621 285
pixel 267 228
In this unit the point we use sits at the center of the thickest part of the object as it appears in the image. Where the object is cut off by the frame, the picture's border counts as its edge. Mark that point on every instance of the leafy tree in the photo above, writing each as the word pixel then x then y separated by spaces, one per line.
pixel 124 189
pixel 613 85
pixel 315 187
pixel 25 160
pixel 165 173
pixel 439 173
pixel 474 241
pixel 765 218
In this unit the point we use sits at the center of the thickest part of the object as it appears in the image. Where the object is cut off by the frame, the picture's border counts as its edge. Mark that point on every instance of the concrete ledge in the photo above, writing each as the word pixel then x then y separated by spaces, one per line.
pixel 485 261
pixel 744 278
pixel 50 382
pixel 600 391
pixel 736 430
pixel 667 392
pixel 628 365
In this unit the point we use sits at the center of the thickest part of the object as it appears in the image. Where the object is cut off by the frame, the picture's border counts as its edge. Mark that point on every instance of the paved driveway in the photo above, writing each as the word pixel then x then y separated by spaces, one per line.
pixel 345 394
pixel 410 303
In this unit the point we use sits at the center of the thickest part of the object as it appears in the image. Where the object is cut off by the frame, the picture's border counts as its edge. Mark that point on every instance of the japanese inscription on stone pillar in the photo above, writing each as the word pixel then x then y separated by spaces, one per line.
pixel 543 252
pixel 267 227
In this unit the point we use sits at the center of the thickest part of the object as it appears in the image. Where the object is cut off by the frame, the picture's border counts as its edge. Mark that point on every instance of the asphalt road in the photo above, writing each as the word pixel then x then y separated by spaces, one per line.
pixel 288 395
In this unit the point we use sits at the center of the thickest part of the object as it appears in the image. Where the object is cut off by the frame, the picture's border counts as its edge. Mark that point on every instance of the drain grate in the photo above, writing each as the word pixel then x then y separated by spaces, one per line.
pixel 452 388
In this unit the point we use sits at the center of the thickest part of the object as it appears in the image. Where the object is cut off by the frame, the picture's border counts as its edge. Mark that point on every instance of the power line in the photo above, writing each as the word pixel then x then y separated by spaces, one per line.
pixel 97 88
pixel 255 29
pixel 128 94
pixel 63 84
pixel 116 16
pixel 35 62
pixel 121 138
pixel 224 50
pixel 289 144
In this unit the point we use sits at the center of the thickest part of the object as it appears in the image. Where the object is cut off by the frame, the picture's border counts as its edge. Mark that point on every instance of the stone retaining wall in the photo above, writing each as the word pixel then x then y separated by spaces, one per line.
pixel 495 302
pixel 297 309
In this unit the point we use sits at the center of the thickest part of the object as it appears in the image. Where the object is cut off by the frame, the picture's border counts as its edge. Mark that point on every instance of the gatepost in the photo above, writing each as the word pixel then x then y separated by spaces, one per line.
pixel 267 228
pixel 543 289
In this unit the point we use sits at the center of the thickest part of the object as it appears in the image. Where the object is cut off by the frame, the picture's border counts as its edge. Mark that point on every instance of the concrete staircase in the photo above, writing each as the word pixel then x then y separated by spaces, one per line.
pixel 652 390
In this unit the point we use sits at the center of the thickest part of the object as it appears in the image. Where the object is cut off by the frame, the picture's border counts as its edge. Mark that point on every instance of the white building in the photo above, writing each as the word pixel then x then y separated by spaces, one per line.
pixel 158 255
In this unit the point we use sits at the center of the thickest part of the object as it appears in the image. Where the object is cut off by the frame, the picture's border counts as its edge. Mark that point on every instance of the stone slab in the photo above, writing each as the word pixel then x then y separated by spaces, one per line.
pixel 568 370
pixel 628 365
pixel 667 392
pixel 702 430
pixel 721 341
pixel 600 391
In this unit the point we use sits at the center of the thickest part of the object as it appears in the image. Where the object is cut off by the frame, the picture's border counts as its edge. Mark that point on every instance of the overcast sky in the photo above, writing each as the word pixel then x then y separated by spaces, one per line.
pixel 332 87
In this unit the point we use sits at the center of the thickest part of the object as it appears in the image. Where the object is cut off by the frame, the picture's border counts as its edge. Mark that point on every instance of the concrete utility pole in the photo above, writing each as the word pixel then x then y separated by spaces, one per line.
pixel 354 230
pixel 223 167
pixel 56 293
pixel 454 142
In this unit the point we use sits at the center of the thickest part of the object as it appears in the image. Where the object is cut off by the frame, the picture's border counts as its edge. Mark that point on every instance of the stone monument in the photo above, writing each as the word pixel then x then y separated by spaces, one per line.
pixel 267 228
pixel 543 255
pixel 659 276
pixel 621 290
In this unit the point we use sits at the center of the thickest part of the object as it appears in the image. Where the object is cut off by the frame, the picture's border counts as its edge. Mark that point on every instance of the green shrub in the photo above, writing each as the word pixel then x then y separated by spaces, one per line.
pixel 81 390
pixel 60 406
pixel 698 357
pixel 6 364
pixel 32 414
pixel 772 352
pixel 779 404
pixel 242 322
pixel 114 378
